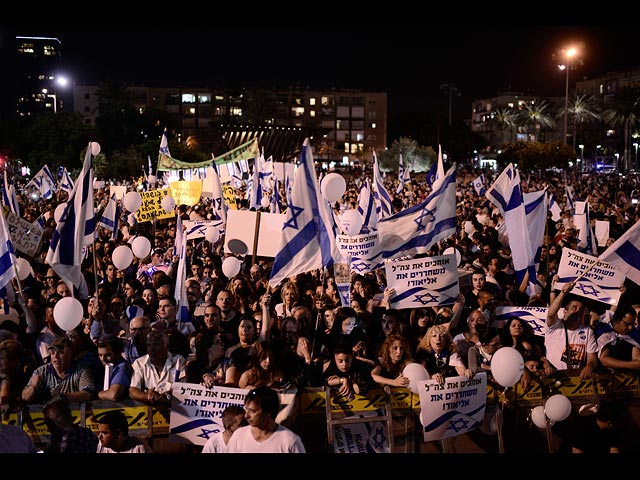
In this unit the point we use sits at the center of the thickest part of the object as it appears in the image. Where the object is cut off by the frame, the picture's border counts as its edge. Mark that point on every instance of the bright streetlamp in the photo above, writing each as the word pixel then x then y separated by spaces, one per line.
pixel 567 54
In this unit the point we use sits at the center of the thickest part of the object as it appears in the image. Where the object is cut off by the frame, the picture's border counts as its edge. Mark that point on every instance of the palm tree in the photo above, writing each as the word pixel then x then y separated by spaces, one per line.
pixel 624 112
pixel 537 114
pixel 506 118
pixel 583 108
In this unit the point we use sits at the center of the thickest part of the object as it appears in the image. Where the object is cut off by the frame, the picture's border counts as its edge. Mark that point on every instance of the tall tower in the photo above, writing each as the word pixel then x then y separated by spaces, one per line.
pixel 36 65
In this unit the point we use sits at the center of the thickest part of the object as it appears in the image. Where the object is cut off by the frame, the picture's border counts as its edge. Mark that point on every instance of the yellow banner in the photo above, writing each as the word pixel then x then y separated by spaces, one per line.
pixel 186 192
pixel 151 206
pixel 229 194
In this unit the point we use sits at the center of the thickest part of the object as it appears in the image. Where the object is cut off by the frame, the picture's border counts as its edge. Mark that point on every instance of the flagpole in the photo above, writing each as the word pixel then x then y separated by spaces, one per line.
pixel 255 239
pixel 95 266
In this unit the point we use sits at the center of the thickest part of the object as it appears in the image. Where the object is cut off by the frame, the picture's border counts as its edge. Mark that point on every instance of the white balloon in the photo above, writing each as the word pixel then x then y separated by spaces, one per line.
pixel 539 418
pixel 351 222
pixel 231 266
pixel 151 179
pixel 507 366
pixel 141 246
pixel 415 372
pixel 95 148
pixel 265 202
pixel 57 213
pixel 68 313
pixel 168 203
pixel 557 407
pixel 333 187
pixel 212 234
pixel 132 201
pixel 122 257
pixel 24 268
pixel 454 251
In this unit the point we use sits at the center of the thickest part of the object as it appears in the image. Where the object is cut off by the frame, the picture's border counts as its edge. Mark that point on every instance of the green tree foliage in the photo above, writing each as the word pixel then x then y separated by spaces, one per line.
pixel 415 157
pixel 55 139
pixel 536 155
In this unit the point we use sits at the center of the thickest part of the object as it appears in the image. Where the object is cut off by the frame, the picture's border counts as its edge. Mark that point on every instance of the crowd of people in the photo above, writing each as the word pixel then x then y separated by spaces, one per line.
pixel 130 343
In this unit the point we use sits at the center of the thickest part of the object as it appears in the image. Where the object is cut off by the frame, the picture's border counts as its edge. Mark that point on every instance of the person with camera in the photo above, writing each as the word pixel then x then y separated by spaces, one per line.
pixel 569 341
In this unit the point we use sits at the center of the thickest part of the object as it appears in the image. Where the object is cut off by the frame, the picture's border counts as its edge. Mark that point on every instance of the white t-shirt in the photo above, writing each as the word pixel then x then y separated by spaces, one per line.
pixel 581 342
pixel 282 440
pixel 215 444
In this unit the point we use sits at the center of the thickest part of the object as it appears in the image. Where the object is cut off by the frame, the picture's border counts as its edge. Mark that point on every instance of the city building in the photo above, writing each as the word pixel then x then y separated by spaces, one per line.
pixel 348 125
pixel 37 82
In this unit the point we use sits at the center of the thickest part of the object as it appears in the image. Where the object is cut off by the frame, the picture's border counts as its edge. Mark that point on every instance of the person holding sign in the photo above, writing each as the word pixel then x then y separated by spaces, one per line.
pixel 569 342
pixel 437 353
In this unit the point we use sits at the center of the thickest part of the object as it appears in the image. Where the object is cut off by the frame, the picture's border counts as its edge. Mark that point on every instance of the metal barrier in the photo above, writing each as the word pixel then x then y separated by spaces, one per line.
pixel 310 414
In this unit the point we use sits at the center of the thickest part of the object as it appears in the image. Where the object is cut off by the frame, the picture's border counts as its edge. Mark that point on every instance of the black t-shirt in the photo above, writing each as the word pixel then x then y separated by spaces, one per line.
pixel 585 435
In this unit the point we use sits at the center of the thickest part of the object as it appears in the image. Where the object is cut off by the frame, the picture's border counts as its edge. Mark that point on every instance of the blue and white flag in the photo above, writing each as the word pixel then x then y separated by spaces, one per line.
pixel 150 167
pixel 414 230
pixel 554 208
pixel 366 207
pixel 506 195
pixel 535 206
pixel 536 317
pixel 478 185
pixel 404 176
pixel 440 169
pixel 582 222
pixel 44 182
pixel 74 231
pixel 7 254
pixel 255 189
pixel 9 197
pixel 624 253
pixel 217 197
pixel 110 219
pixel 308 240
pixel 164 144
pixel 66 183
pixel 180 293
pixel 274 206
pixel 384 207
pixel 570 198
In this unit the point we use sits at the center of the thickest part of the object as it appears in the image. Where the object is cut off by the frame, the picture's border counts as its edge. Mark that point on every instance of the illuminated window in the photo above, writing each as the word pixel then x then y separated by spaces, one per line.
pixel 373 125
pixel 203 98
pixel 49 50
pixel 235 111
pixel 220 111
pixel 297 111
pixel 188 98
pixel 192 110
pixel 312 101
pixel 219 98
pixel 312 113
pixel 297 101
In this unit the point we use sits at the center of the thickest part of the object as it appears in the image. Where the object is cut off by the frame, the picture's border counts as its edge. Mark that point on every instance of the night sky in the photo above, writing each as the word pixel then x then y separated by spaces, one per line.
pixel 410 62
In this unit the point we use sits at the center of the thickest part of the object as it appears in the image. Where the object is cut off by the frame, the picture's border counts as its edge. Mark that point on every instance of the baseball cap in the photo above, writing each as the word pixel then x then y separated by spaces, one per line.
pixel 59 344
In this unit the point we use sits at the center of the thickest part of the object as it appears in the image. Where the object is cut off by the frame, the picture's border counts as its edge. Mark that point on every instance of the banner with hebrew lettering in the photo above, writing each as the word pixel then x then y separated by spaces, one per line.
pixel 602 283
pixel 196 411
pixel 423 282
pixel 456 407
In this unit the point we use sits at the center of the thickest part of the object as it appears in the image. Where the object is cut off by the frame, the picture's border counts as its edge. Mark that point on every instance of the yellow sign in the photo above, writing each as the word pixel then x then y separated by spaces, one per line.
pixel 186 192
pixel 229 194
pixel 151 206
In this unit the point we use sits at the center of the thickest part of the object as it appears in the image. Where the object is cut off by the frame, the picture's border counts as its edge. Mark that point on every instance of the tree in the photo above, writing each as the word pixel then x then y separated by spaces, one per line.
pixel 536 155
pixel 624 112
pixel 119 122
pixel 415 157
pixel 55 139
pixel 538 116
pixel 258 106
pixel 583 108
pixel 506 119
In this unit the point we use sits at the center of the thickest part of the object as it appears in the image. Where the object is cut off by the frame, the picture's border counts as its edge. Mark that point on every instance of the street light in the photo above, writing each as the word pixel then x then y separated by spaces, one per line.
pixel 568 54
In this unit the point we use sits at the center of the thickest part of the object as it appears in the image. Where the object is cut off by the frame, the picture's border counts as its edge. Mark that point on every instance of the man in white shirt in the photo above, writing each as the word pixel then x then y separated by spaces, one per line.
pixel 264 434
pixel 570 342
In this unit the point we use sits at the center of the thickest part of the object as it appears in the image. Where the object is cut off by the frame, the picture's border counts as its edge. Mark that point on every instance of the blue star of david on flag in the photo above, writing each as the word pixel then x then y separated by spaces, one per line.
pixel 421 298
pixel 459 424
pixel 587 289
pixel 293 221
pixel 426 216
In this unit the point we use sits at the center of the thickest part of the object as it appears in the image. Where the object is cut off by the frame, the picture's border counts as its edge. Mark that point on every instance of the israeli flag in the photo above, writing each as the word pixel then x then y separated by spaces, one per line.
pixel 384 207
